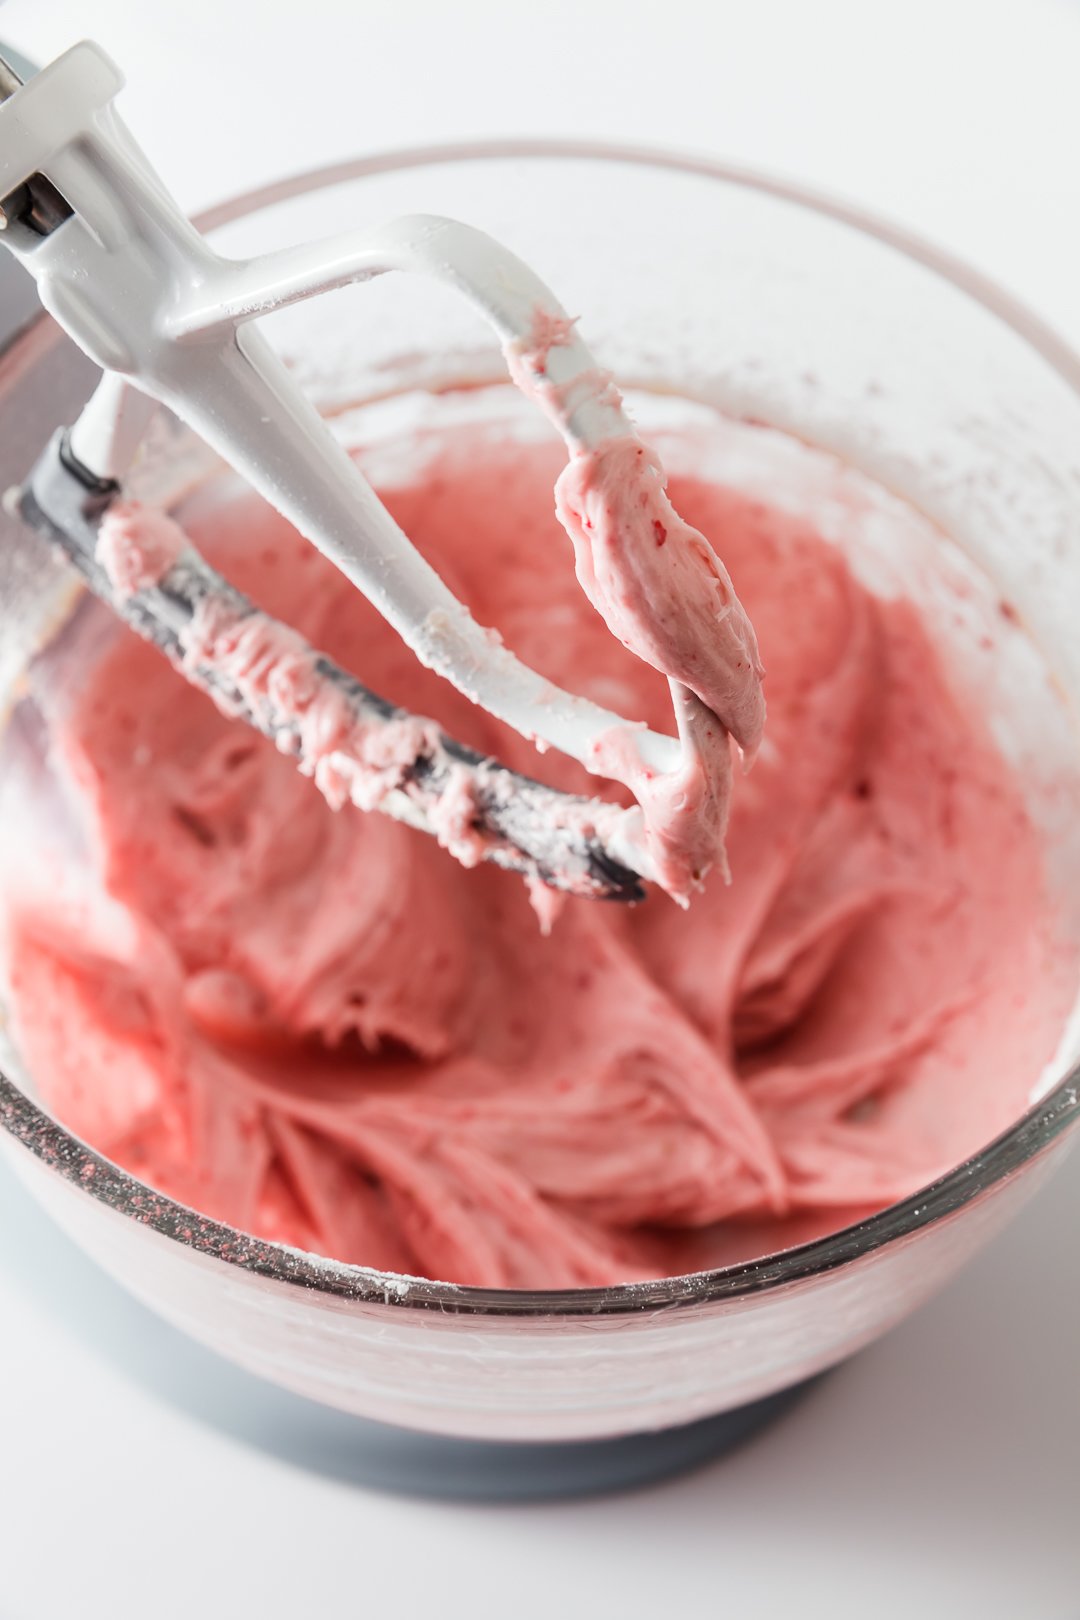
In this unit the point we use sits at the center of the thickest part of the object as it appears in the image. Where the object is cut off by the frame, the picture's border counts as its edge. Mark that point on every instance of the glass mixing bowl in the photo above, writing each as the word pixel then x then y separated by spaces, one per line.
pixel 701 282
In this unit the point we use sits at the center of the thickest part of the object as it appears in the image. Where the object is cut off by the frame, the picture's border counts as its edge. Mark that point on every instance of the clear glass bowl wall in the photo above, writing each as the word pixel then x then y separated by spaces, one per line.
pixel 736 291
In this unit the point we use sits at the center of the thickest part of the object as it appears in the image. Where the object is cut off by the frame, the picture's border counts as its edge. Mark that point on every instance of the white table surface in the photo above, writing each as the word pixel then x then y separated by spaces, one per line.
pixel 939 1473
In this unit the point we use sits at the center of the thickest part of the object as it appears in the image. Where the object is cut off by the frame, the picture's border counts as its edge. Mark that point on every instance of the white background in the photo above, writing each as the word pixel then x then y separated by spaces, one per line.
pixel 939 1473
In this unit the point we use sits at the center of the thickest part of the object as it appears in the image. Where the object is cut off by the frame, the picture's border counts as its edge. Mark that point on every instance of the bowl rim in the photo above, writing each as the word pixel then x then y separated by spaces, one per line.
pixel 1033 1134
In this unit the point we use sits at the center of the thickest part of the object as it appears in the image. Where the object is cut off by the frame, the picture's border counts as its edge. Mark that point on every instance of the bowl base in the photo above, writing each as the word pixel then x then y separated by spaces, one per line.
pixel 197 1381
pixel 407 1463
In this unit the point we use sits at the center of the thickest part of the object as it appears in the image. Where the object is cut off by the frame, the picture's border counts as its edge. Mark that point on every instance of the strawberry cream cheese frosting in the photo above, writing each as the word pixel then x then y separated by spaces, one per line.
pixel 315 1025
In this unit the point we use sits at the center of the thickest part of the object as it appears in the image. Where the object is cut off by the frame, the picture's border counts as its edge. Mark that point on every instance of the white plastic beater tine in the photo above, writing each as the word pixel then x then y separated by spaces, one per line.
pixel 575 394
pixel 248 408
pixel 111 426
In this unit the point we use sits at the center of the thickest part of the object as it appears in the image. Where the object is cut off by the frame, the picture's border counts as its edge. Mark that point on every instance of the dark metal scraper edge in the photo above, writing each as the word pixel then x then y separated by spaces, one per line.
pixel 526 827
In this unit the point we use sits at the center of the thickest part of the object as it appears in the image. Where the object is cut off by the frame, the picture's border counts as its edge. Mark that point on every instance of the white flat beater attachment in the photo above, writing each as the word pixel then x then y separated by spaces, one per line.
pixel 171 321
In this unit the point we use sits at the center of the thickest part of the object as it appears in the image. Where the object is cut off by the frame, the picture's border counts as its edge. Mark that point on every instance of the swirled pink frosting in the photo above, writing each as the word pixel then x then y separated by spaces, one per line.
pixel 319 1028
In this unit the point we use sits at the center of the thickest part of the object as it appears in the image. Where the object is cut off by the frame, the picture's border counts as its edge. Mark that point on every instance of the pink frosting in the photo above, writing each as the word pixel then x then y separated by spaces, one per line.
pixel 663 592
pixel 136 546
pixel 658 583
pixel 319 1028
pixel 455 819
pixel 272 669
